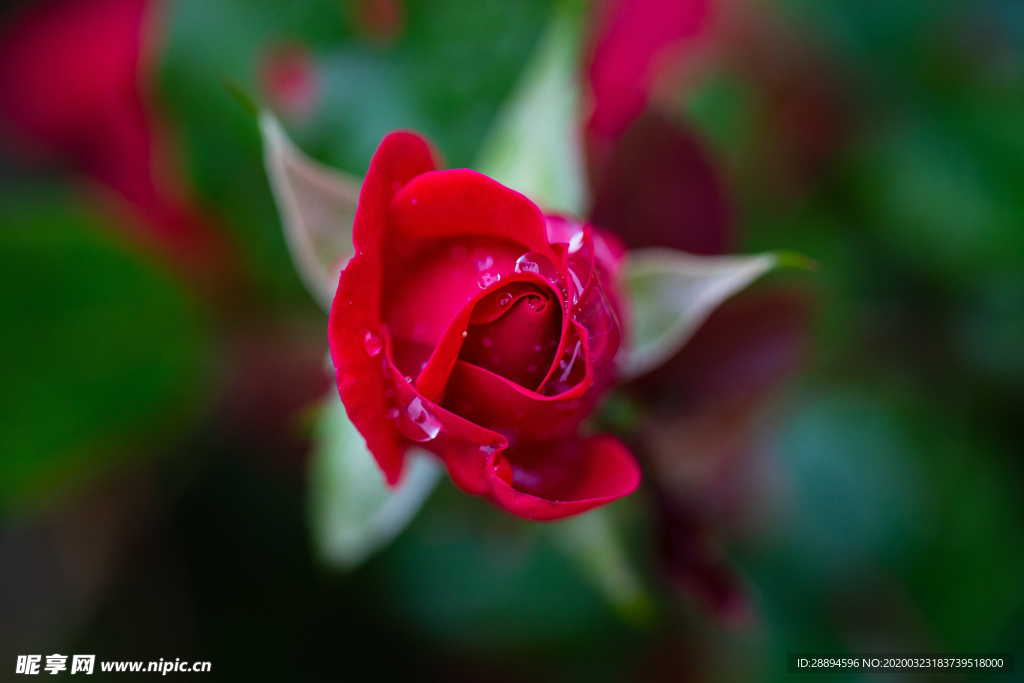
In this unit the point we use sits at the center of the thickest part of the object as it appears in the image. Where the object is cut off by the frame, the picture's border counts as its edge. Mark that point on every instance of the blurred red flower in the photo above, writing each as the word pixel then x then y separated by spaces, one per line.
pixel 70 75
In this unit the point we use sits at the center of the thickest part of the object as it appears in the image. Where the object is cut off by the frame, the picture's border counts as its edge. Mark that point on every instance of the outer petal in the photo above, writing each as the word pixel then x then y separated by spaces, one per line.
pixel 464 203
pixel 356 312
pixel 571 477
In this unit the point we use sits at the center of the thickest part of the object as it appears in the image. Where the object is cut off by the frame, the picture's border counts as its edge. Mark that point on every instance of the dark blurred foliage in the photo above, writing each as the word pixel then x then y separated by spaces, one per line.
pixel 837 456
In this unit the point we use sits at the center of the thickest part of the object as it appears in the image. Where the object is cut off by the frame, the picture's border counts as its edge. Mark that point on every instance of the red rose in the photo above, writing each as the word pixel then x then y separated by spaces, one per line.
pixel 471 323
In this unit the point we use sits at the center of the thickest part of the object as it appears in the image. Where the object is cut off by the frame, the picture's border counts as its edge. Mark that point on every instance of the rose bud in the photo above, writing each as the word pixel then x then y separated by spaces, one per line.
pixel 472 325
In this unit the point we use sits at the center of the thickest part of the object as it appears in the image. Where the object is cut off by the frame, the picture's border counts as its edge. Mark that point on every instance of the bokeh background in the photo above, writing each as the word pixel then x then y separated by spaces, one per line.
pixel 833 464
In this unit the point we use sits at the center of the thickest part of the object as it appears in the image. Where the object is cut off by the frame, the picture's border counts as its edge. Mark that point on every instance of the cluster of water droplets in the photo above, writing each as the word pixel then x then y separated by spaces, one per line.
pixel 585 300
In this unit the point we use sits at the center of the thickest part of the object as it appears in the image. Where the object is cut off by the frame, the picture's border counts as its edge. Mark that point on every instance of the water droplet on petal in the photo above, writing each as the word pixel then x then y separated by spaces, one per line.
pixel 392 414
pixel 487 342
pixel 408 379
pixel 465 333
pixel 538 264
pixel 488 278
pixel 371 342
pixel 504 299
pixel 416 421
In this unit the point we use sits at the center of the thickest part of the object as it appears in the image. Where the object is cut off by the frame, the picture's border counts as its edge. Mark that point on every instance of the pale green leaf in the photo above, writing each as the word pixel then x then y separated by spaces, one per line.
pixel 317 206
pixel 535 145
pixel 673 292
pixel 354 512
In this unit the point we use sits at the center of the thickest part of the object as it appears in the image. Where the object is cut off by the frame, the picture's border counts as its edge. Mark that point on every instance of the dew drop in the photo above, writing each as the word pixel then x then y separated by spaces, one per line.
pixel 538 264
pixel 371 342
pixel 392 414
pixel 408 379
pixel 465 333
pixel 487 278
pixel 504 299
pixel 416 421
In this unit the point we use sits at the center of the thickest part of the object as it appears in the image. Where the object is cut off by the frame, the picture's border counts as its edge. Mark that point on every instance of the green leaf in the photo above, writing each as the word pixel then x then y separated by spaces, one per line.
pixel 317 206
pixel 354 512
pixel 101 350
pixel 535 145
pixel 673 292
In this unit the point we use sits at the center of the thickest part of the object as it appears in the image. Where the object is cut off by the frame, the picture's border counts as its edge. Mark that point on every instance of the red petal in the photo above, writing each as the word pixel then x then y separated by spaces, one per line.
pixel 432 378
pixel 548 480
pixel 356 311
pixel 562 478
pixel 461 203
pixel 514 333
pixel 520 414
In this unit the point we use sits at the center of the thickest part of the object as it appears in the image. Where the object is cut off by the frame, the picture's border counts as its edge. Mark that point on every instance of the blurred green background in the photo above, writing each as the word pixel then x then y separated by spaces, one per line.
pixel 153 428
